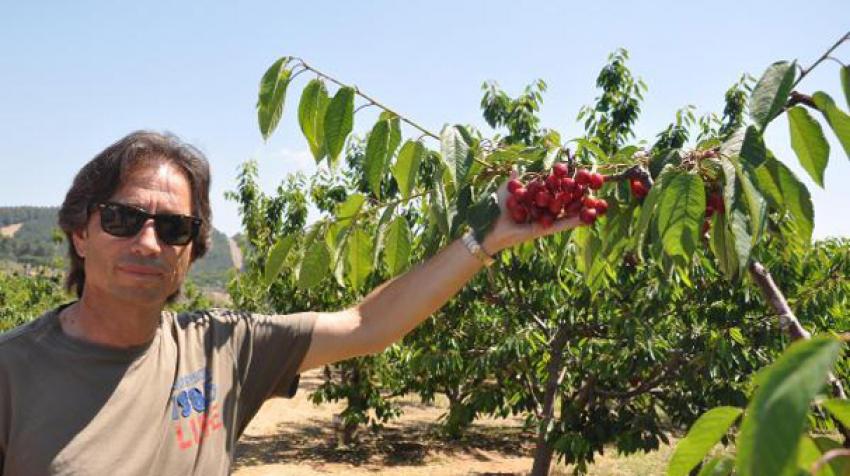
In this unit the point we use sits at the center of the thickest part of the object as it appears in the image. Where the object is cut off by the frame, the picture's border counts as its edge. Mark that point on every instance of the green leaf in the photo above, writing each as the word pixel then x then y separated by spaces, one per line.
pixel 722 243
pixel 395 132
pixel 845 83
pixel 375 162
pixel 777 181
pixel 359 258
pixel 742 239
pixel 771 92
pixel 406 166
pixel 753 150
pixel 276 257
pixel 839 466
pixel 756 205
pixel 776 415
pixel 483 214
pixel 311 116
pixel 272 94
pixel 594 149
pixel 647 209
pixel 808 143
pixel 315 265
pixel 339 120
pixel 836 118
pixel 840 409
pixel 454 152
pixel 719 466
pixel 346 210
pixel 807 454
pixel 701 438
pixel 680 214
pixel 397 248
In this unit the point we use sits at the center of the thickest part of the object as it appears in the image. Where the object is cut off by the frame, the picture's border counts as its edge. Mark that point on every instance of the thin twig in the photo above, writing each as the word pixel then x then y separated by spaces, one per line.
pixel 804 72
pixel 368 98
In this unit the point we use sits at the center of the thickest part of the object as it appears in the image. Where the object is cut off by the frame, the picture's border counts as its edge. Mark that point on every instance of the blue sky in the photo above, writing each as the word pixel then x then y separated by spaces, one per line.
pixel 76 76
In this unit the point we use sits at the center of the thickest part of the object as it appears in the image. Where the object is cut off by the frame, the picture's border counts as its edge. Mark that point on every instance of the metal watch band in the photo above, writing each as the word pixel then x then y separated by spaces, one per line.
pixel 476 250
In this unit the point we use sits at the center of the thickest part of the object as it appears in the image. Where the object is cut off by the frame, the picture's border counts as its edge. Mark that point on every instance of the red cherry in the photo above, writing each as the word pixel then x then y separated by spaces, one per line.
pixel 709 210
pixel 583 177
pixel 560 169
pixel 555 206
pixel 520 215
pixel 568 184
pixel 716 202
pixel 546 220
pixel 601 206
pixel 589 202
pixel 543 198
pixel 573 208
pixel 596 181
pixel 521 194
pixel 514 185
pixel 587 215
pixel 638 188
pixel 513 203
pixel 553 183
pixel 706 225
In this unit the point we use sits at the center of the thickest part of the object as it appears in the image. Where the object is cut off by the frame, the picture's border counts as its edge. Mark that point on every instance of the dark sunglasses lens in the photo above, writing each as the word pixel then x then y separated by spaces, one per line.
pixel 120 220
pixel 175 229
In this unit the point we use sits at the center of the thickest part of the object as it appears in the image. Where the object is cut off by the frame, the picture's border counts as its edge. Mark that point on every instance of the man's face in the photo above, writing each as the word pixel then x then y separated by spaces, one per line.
pixel 141 268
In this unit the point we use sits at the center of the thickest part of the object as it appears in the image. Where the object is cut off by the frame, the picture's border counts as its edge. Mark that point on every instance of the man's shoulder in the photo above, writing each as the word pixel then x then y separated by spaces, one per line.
pixel 25 334
pixel 211 317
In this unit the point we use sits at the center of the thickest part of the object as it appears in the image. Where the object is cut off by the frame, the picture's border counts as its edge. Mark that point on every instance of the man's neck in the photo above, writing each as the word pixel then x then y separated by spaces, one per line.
pixel 110 323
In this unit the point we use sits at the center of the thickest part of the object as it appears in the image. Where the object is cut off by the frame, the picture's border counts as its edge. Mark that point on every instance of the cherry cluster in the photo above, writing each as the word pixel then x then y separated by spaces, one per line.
pixel 713 204
pixel 559 194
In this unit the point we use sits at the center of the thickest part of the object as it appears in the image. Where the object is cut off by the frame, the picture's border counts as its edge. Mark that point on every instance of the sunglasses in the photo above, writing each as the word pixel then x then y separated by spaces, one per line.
pixel 125 221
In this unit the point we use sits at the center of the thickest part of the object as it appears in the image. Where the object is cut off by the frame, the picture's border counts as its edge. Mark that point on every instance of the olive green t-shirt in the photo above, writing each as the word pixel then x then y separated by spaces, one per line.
pixel 175 406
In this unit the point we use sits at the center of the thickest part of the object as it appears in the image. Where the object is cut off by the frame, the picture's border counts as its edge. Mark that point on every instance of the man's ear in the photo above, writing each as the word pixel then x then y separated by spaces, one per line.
pixel 79 237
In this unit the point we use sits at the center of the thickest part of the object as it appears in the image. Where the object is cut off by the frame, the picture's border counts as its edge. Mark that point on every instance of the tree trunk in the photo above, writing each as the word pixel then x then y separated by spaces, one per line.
pixel 543 450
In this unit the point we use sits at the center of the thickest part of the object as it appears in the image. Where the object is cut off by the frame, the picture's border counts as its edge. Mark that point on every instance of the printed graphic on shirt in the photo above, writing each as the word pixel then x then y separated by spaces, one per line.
pixel 194 409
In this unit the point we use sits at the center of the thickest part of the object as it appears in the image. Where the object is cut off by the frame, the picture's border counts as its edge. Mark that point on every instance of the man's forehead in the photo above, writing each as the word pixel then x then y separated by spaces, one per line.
pixel 155 181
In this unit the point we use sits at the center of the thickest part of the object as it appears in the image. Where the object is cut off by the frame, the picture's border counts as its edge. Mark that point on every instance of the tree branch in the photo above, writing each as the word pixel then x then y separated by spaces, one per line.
pixel 368 98
pixel 804 72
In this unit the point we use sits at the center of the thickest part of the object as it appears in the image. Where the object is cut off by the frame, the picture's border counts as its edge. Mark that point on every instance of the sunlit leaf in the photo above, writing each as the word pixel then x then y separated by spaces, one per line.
pixel 275 260
pixel 771 92
pixel 406 166
pixel 776 415
pixel 315 265
pixel 680 214
pixel 359 257
pixel 836 118
pixel 272 95
pixel 701 438
pixel 311 116
pixel 397 246
pixel 339 120
pixel 375 161
pixel 808 142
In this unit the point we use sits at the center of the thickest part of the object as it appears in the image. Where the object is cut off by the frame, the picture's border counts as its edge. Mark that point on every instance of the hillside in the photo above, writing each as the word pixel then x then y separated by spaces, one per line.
pixel 29 235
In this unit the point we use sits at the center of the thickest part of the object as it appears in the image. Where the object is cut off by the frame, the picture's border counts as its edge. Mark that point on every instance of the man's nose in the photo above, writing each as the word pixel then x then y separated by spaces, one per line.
pixel 146 241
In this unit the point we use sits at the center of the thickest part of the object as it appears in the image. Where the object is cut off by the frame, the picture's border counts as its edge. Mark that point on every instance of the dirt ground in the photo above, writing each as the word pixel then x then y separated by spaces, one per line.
pixel 295 437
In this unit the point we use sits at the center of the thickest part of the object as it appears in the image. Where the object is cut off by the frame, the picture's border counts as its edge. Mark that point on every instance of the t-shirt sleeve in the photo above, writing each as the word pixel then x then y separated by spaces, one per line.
pixel 269 350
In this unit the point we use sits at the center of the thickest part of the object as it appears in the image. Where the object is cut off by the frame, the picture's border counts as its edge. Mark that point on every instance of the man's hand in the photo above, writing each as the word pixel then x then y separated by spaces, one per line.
pixel 507 233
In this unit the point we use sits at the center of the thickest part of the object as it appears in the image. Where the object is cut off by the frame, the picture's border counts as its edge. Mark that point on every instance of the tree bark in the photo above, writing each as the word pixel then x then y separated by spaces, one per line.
pixel 543 450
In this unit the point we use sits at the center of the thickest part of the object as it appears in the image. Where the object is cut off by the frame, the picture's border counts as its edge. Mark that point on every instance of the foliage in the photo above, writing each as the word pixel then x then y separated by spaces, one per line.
pixel 26 295
pixel 564 300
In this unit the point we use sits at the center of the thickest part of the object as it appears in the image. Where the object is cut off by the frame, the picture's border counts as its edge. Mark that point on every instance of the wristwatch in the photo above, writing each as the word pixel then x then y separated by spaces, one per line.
pixel 475 248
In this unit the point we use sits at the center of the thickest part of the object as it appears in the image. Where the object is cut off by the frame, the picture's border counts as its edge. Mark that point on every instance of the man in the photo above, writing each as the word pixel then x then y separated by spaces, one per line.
pixel 112 384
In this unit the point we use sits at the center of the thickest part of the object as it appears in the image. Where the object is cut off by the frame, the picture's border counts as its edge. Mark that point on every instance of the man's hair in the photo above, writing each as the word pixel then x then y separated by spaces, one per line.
pixel 99 179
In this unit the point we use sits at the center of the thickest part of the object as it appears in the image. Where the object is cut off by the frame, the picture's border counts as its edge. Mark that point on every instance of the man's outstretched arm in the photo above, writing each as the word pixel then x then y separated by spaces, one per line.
pixel 396 307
